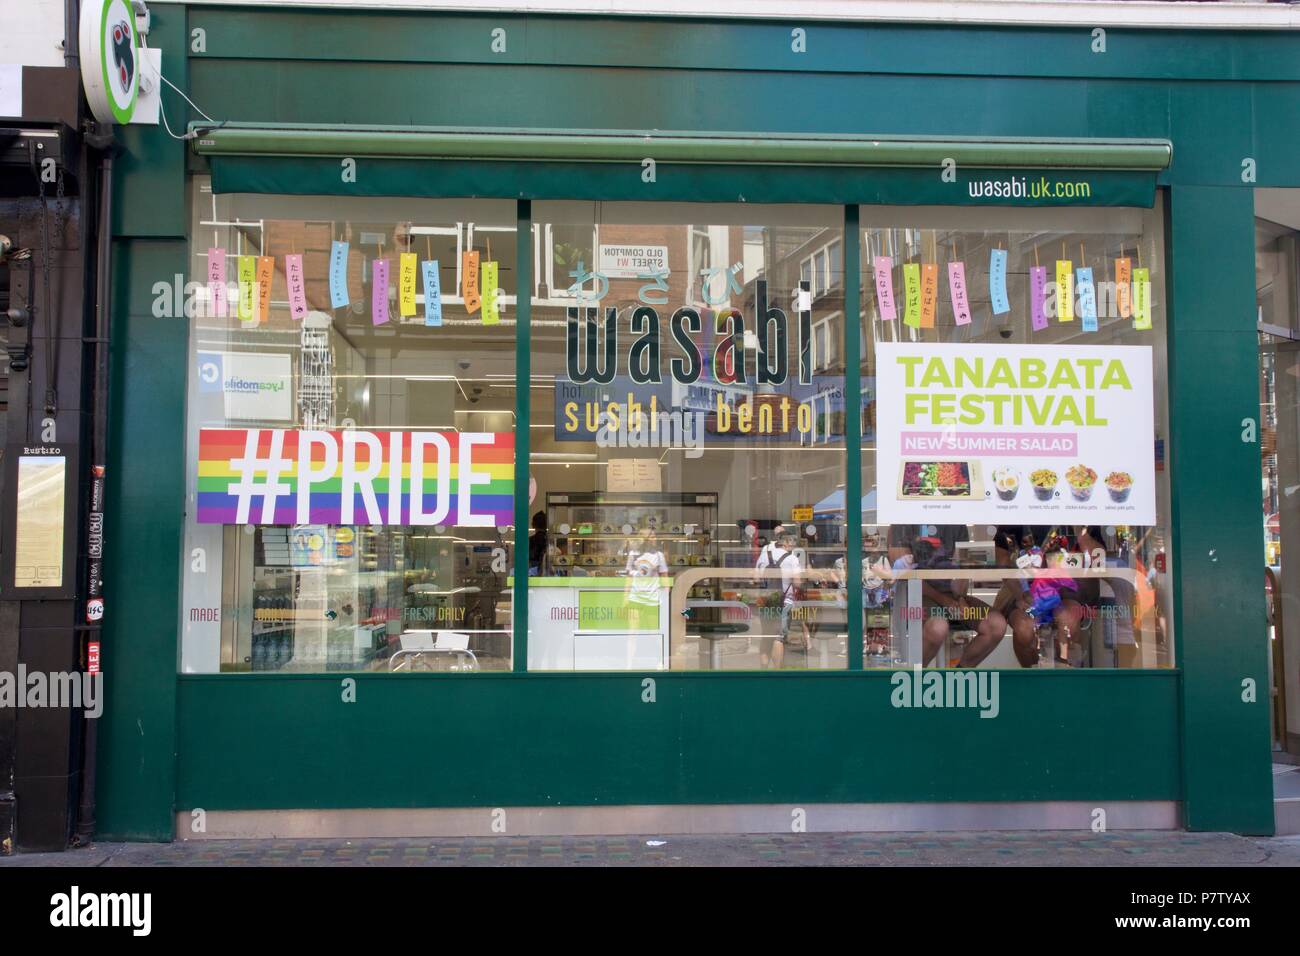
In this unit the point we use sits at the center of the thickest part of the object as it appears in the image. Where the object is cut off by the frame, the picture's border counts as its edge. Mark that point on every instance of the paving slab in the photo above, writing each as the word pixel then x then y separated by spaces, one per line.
pixel 1038 848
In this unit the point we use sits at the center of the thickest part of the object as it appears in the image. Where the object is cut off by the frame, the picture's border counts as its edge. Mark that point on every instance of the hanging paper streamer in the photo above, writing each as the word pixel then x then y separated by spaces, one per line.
pixel 929 294
pixel 469 282
pixel 1141 298
pixel 265 276
pixel 1123 290
pixel 957 288
pixel 1037 295
pixel 912 295
pixel 293 278
pixel 432 294
pixel 217 280
pixel 884 267
pixel 998 281
pixel 338 275
pixel 379 292
pixel 247 266
pixel 491 315
pixel 1083 284
pixel 1065 290
pixel 406 283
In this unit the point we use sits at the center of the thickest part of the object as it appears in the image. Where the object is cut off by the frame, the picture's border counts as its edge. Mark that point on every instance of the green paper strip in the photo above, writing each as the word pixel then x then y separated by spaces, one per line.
pixel 912 294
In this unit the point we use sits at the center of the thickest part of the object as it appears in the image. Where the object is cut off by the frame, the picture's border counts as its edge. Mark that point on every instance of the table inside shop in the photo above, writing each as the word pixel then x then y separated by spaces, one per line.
pixel 713 633
pixel 684 624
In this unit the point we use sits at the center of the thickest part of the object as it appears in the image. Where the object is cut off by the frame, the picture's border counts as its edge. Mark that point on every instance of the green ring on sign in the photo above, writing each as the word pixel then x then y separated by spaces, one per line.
pixel 121 114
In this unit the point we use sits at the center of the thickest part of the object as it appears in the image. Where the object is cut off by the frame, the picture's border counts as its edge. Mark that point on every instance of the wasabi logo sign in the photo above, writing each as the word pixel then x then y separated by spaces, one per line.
pixel 274 476
pixel 1032 434
pixel 110 59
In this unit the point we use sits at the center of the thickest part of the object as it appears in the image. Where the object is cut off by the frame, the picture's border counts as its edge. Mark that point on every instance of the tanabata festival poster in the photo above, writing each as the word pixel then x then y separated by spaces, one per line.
pixel 1035 434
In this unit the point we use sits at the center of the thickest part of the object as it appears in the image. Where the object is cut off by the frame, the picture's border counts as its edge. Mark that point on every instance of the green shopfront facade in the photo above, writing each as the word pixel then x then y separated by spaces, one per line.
pixel 535 146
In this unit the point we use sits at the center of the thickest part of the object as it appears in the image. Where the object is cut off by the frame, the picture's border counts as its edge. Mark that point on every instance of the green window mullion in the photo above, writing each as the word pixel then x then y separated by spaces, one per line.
pixel 853 430
pixel 523 415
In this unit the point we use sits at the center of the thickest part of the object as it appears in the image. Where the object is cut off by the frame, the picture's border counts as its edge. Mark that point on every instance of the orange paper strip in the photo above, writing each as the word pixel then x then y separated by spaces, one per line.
pixel 469 282
pixel 929 293
pixel 1124 286
pixel 265 276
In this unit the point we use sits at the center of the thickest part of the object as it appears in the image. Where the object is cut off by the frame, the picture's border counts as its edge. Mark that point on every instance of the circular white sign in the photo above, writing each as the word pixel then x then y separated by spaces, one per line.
pixel 110 59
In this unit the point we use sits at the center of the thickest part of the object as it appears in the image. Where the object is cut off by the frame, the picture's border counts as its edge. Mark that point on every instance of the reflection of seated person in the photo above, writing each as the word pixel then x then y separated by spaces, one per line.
pixel 1055 599
pixel 945 601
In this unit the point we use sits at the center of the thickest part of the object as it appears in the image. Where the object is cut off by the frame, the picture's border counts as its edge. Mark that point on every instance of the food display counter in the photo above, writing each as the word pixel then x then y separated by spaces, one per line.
pixel 592 624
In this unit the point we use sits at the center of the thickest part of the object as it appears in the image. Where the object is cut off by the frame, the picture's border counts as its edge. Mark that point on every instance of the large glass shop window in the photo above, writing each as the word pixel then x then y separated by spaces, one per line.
pixel 687 438
pixel 1016 509
pixel 350 432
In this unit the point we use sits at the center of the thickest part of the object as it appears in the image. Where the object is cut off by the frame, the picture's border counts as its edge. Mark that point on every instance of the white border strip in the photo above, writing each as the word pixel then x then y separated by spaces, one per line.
pixel 1138 14
pixel 676 820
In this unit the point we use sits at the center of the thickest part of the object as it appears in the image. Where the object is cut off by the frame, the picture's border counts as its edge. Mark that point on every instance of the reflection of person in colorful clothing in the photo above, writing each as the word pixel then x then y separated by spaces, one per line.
pixel 1049 596
pixel 644 566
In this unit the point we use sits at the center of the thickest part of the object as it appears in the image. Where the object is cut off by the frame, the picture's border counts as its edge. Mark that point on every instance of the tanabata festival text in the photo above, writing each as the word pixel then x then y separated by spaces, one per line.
pixel 1002 403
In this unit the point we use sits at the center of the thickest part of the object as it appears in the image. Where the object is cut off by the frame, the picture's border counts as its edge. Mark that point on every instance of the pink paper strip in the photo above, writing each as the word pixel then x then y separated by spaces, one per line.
pixel 297 287
pixel 884 267
pixel 1037 297
pixel 217 280
pixel 957 286
pixel 379 292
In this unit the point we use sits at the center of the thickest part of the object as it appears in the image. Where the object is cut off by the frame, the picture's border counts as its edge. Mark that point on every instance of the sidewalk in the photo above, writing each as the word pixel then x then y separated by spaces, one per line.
pixel 1130 848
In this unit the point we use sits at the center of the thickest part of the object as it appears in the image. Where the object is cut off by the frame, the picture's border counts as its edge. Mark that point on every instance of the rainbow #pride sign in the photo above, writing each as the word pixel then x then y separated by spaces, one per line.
pixel 282 476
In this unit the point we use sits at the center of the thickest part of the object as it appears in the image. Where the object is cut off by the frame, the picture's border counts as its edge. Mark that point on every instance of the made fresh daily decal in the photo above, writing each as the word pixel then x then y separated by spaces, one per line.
pixel 1034 434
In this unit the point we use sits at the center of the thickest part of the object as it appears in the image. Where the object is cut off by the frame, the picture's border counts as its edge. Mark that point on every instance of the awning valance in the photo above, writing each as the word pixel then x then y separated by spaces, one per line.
pixel 692 166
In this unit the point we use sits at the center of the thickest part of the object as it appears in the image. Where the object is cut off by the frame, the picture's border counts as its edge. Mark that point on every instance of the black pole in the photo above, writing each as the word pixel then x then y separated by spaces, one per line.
pixel 71 33
pixel 98 460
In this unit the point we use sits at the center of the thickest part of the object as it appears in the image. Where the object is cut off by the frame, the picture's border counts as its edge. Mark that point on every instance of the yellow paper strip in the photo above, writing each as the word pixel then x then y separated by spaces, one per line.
pixel 491 315
pixel 912 295
pixel 1141 298
pixel 406 283
pixel 1065 290
pixel 247 283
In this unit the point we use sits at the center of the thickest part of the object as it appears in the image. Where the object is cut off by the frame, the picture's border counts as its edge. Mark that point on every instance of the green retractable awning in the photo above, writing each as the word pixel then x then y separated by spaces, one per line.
pixel 699 166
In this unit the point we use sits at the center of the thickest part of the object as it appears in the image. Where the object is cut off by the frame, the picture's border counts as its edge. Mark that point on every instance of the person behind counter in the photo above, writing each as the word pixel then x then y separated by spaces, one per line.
pixel 644 566
pixel 537 547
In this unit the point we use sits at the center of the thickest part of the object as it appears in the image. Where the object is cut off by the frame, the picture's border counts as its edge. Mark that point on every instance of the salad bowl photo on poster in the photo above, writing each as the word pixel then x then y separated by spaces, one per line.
pixel 1016 433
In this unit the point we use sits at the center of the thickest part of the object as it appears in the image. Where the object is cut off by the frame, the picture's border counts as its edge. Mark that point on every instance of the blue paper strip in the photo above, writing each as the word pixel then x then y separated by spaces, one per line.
pixel 1087 293
pixel 432 293
pixel 998 281
pixel 338 275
